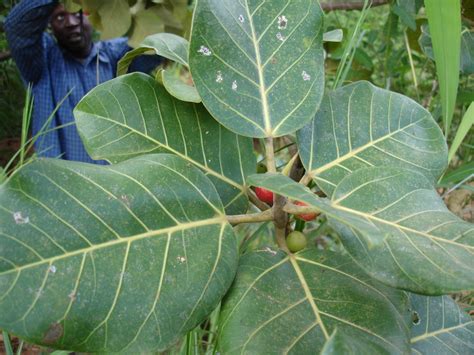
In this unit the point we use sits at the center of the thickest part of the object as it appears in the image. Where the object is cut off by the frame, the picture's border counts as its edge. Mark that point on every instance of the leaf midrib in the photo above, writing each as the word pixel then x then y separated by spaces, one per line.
pixel 440 331
pixel 261 79
pixel 404 228
pixel 150 234
pixel 354 152
pixel 309 296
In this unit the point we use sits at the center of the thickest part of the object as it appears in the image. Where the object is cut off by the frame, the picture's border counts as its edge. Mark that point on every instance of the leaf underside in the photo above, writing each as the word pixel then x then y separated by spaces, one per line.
pixel 394 224
pixel 107 259
pixel 291 305
pixel 258 65
pixel 440 326
pixel 167 45
pixel 133 115
pixel 361 126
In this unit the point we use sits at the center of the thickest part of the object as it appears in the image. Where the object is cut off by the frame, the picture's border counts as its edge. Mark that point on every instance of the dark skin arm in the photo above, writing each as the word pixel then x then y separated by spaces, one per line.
pixel 24 28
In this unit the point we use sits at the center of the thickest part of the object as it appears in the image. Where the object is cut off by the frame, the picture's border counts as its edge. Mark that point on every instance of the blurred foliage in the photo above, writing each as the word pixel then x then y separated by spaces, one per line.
pixel 135 19
pixel 382 57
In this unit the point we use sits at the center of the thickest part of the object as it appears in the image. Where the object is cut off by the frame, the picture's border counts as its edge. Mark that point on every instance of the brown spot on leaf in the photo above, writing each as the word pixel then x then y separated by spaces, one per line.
pixel 53 334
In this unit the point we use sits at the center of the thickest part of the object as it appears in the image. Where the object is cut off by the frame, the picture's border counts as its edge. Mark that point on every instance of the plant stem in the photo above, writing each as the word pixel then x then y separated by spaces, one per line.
pixel 306 179
pixel 299 225
pixel 294 209
pixel 280 218
pixel 7 343
pixel 352 5
pixel 262 206
pixel 270 155
pixel 251 218
pixel 412 65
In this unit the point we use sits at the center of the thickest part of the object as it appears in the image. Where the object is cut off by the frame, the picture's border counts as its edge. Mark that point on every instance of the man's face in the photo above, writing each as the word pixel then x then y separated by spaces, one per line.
pixel 72 30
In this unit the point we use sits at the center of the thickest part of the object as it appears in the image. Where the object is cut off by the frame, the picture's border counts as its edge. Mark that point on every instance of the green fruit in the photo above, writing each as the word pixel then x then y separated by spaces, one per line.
pixel 296 241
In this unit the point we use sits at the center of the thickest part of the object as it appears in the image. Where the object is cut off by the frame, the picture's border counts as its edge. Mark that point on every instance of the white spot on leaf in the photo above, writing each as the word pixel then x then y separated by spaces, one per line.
pixel 306 76
pixel 19 219
pixel 52 269
pixel 125 200
pixel 234 85
pixel 72 296
pixel 280 37
pixel 241 18
pixel 219 77
pixel 268 250
pixel 181 259
pixel 282 22
pixel 205 51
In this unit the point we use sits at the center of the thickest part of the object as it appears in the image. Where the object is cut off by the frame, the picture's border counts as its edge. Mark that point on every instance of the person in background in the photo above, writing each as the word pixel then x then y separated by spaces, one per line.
pixel 63 66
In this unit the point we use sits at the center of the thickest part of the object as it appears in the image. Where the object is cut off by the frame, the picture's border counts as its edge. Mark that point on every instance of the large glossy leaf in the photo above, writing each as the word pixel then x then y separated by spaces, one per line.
pixel 258 65
pixel 282 304
pixel 361 125
pixel 418 244
pixel 133 115
pixel 440 326
pixel 118 258
pixel 428 249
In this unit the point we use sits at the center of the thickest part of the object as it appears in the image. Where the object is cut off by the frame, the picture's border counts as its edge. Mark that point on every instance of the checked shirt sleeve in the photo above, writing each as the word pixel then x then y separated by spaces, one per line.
pixel 24 28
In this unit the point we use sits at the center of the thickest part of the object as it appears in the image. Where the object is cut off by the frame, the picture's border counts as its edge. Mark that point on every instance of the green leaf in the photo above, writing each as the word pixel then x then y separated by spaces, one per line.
pixel 166 45
pixel 258 65
pixel 126 257
pixel 440 327
pixel 333 36
pixel 464 127
pixel 360 125
pixel 340 343
pixel 428 249
pixel 145 23
pixel 115 18
pixel 458 175
pixel 253 236
pixel 467 52
pixel 444 18
pixel 292 304
pixel 7 343
pixel 133 115
pixel 394 224
pixel 3 175
pixel 407 11
pixel 177 88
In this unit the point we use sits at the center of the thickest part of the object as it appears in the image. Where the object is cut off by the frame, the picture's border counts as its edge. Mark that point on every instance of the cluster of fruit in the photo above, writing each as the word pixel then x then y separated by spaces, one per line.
pixel 296 240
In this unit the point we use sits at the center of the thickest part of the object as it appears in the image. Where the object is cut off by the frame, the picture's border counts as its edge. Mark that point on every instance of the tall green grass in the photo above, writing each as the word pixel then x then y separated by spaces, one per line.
pixel 444 19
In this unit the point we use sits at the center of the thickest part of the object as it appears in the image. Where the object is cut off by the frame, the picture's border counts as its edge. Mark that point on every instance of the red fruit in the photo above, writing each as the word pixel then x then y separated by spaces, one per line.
pixel 305 216
pixel 264 195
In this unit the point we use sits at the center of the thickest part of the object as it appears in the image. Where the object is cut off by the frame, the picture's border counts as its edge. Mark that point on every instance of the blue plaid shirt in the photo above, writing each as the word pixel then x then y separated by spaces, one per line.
pixel 54 73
